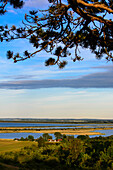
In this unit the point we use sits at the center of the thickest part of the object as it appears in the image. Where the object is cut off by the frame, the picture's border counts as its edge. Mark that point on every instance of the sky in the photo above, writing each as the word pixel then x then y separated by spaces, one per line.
pixel 30 90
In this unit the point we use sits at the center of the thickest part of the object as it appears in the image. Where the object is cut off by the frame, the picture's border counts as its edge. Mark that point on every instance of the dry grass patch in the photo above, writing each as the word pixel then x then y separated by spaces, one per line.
pixel 11 145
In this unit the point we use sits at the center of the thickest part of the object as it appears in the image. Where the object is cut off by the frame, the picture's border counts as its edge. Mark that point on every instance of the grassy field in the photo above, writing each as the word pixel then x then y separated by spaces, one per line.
pixel 11 145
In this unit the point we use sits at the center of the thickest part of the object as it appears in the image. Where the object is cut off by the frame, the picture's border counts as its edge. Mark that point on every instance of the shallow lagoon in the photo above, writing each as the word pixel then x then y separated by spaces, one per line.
pixel 51 126
pixel 7 124
pixel 18 135
pixel 108 132
pixel 55 125
pixel 37 135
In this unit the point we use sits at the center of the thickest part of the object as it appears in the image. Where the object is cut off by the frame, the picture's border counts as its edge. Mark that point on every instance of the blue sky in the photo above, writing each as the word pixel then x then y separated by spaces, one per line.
pixel 30 90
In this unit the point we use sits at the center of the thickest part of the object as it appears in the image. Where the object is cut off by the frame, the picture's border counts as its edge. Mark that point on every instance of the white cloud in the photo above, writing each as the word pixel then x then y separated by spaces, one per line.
pixel 36 4
pixel 2 61
pixel 12 11
pixel 11 92
pixel 82 92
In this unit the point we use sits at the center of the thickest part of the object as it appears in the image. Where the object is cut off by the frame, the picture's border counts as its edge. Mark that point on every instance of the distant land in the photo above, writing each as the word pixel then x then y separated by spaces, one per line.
pixel 47 120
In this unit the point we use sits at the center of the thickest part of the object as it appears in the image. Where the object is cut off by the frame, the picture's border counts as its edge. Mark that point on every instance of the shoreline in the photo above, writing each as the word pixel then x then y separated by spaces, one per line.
pixel 58 121
pixel 72 131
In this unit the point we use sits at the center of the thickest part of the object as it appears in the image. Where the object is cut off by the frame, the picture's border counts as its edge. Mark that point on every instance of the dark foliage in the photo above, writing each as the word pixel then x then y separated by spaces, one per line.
pixel 64 26
pixel 72 153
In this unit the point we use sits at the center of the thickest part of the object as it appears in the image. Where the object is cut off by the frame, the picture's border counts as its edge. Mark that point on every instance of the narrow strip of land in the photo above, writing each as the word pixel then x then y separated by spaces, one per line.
pixel 73 131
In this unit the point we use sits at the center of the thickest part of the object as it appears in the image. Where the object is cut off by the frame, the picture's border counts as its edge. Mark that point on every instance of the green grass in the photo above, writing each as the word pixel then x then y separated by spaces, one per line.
pixel 10 145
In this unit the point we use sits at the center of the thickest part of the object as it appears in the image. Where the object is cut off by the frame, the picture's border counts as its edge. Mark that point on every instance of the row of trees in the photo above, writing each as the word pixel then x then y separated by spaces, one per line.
pixel 71 153
pixel 45 137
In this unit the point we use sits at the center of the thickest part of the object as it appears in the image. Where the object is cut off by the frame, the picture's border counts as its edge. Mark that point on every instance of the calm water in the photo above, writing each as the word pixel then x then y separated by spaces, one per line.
pixel 18 135
pixel 50 125
pixel 4 124
pixel 37 135
pixel 65 125
pixel 107 132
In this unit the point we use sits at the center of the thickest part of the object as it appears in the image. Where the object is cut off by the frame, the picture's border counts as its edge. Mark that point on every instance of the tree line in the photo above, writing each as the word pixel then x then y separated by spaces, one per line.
pixel 71 153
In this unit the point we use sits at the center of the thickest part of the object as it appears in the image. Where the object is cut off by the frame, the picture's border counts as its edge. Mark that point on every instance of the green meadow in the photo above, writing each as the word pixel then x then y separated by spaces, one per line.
pixel 11 145
pixel 81 153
